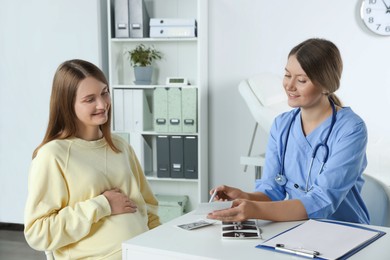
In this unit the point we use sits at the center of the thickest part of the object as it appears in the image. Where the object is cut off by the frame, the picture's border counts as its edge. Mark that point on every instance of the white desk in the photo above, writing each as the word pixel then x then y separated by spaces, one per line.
pixel 170 242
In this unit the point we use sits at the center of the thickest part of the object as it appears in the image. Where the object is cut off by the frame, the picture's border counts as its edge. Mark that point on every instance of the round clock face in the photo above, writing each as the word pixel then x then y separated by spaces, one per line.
pixel 376 16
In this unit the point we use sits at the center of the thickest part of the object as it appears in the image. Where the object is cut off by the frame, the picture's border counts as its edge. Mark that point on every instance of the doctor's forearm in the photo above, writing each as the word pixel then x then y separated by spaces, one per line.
pixel 286 210
pixel 257 196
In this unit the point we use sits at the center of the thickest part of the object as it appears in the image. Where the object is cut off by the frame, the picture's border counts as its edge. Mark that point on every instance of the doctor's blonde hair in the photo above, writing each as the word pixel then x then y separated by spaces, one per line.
pixel 322 63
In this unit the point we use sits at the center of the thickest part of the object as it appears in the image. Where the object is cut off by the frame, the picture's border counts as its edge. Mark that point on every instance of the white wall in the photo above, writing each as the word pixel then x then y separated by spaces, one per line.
pixel 35 37
pixel 248 37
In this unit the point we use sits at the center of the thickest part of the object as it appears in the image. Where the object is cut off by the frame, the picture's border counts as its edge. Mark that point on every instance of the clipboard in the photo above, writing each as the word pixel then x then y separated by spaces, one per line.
pixel 322 239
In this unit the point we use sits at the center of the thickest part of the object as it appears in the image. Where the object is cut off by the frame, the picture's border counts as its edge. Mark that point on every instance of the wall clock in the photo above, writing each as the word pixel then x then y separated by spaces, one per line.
pixel 376 16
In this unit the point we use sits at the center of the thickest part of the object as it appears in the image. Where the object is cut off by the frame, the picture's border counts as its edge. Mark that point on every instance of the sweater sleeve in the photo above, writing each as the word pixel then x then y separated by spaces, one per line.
pixel 150 199
pixel 50 223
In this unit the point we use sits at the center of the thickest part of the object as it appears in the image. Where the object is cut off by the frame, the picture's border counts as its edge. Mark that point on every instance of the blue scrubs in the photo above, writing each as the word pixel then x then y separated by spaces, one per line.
pixel 335 193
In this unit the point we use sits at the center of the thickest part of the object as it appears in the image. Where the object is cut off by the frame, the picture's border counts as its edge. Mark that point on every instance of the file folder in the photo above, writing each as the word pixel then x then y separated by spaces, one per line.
pixel 173 32
pixel 121 14
pixel 172 22
pixel 118 110
pixel 128 110
pixel 176 154
pixel 172 27
pixel 163 160
pixel 139 19
pixel 189 110
pixel 160 110
pixel 137 112
pixel 141 111
pixel 190 157
pixel 174 110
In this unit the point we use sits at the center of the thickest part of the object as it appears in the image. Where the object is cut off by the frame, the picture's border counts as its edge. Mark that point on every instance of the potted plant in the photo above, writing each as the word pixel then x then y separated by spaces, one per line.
pixel 141 58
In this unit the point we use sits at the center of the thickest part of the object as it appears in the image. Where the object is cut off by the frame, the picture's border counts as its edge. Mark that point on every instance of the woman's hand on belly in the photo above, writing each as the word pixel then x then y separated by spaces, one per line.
pixel 120 203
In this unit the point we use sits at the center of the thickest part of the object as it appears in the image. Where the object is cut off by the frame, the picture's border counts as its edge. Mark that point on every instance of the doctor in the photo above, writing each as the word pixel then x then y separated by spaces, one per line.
pixel 316 152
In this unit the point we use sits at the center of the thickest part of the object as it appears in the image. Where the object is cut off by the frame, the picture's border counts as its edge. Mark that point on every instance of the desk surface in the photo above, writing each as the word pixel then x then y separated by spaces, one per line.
pixel 170 242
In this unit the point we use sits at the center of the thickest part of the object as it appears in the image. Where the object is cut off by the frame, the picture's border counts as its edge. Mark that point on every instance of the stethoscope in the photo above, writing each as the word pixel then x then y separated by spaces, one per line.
pixel 281 177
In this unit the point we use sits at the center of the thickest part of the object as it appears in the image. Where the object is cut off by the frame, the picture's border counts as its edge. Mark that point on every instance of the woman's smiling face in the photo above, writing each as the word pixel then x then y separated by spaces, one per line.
pixel 300 90
pixel 92 103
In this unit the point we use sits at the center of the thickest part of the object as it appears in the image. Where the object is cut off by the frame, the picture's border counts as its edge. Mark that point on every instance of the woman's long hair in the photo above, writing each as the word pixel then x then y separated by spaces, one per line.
pixel 62 117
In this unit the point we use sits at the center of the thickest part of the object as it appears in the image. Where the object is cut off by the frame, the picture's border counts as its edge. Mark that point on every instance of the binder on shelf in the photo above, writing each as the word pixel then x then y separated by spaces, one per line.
pixel 162 153
pixel 128 110
pixel 173 32
pixel 160 110
pixel 176 155
pixel 118 109
pixel 172 27
pixel 137 113
pixel 189 110
pixel 121 15
pixel 169 22
pixel 174 110
pixel 139 19
pixel 142 113
pixel 190 157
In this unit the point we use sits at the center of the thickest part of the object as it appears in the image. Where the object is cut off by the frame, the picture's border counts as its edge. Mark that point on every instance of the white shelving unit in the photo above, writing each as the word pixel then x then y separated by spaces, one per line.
pixel 182 57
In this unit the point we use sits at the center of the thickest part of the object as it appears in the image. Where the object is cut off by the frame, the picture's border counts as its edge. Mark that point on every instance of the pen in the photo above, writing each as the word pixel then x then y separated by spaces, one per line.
pixel 213 196
pixel 300 252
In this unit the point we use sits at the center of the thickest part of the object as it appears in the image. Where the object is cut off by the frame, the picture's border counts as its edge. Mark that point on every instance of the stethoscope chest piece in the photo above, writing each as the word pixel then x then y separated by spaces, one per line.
pixel 281 179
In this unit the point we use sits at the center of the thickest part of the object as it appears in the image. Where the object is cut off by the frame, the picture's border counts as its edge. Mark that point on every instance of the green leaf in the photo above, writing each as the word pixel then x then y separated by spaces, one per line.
pixel 143 56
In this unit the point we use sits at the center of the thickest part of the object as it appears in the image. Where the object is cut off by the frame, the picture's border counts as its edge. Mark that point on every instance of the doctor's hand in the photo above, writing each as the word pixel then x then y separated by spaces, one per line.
pixel 227 193
pixel 240 211
pixel 119 202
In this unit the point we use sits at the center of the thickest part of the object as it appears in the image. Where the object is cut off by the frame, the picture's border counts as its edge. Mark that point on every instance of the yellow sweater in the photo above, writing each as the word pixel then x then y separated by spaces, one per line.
pixel 65 211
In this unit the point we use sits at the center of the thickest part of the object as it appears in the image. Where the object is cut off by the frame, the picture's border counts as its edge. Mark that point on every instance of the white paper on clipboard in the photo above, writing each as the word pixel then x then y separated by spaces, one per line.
pixel 331 239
